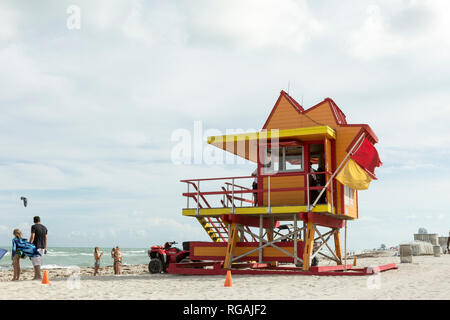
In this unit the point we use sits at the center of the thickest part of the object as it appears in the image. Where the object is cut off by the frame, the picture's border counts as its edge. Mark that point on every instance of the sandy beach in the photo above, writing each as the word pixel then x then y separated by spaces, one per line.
pixel 426 278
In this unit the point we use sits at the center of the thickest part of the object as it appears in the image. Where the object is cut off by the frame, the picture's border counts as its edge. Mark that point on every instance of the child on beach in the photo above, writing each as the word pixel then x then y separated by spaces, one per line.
pixel 97 256
pixel 21 248
pixel 116 254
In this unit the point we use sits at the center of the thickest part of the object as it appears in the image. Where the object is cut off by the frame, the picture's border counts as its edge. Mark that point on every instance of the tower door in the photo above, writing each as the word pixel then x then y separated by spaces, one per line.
pixel 316 168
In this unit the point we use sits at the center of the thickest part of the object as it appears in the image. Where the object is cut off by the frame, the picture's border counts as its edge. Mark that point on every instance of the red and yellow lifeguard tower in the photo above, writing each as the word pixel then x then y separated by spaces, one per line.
pixel 310 164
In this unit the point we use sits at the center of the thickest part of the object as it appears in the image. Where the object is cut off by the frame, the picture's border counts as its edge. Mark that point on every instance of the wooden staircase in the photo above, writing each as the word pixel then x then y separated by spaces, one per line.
pixel 215 227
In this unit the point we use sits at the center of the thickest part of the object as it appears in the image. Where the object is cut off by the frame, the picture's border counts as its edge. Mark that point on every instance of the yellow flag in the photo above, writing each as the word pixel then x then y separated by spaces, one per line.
pixel 354 176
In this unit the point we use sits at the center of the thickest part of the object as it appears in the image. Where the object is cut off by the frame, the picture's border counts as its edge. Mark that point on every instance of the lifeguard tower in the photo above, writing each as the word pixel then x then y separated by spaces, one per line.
pixel 309 165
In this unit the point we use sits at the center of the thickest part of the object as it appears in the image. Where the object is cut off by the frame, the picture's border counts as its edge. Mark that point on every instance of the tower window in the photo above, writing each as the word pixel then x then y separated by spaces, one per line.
pixel 283 159
pixel 348 196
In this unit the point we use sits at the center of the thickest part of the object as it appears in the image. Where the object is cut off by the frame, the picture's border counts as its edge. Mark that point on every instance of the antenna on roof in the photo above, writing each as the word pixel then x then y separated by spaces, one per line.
pixel 289 85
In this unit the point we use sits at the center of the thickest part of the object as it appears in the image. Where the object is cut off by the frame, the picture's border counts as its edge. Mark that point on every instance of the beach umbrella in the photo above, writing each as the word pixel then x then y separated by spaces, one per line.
pixel 25 201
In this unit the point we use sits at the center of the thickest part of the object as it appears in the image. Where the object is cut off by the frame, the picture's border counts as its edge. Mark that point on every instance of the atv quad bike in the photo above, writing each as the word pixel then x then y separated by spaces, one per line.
pixel 161 256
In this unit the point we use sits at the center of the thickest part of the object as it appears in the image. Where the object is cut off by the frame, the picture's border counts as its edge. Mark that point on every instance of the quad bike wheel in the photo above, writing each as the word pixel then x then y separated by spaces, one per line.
pixel 314 263
pixel 155 266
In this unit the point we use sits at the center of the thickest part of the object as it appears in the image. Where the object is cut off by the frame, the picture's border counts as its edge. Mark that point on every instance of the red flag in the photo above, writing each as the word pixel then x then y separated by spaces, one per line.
pixel 367 157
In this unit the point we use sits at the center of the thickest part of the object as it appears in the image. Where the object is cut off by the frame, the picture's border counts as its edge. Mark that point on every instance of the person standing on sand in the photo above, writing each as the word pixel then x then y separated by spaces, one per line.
pixel 97 256
pixel 39 239
pixel 117 260
pixel 113 251
pixel 448 242
pixel 20 249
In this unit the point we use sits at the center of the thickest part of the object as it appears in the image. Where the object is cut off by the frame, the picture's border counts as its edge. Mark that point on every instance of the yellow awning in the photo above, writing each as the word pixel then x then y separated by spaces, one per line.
pixel 245 144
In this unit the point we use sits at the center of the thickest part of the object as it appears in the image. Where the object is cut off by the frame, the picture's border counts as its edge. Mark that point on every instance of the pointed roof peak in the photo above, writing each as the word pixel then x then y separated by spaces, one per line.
pixel 292 101
pixel 339 115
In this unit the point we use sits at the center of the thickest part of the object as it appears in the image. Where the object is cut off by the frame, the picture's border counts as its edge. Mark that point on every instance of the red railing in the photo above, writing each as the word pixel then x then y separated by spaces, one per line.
pixel 229 196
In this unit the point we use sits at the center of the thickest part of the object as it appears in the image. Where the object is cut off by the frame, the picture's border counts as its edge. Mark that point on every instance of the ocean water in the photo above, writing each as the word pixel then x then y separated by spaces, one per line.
pixel 81 257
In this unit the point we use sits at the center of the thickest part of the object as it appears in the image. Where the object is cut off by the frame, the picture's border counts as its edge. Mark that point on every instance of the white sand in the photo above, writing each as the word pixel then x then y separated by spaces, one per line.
pixel 426 278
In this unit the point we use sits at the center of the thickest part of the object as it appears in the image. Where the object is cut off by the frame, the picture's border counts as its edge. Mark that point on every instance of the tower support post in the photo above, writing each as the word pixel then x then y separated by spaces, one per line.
pixel 337 245
pixel 232 239
pixel 309 245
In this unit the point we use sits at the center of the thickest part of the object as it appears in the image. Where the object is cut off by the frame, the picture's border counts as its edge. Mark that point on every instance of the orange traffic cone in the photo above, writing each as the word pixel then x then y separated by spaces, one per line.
pixel 45 278
pixel 228 282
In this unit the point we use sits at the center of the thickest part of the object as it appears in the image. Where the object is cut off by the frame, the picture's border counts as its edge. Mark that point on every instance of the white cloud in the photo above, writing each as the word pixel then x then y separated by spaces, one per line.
pixel 391 28
pixel 173 225
pixel 5 230
pixel 23 78
pixel 256 24
pixel 407 165
pixel 105 14
pixel 134 139
pixel 158 24
pixel 25 227
pixel 134 26
pixel 373 39
pixel 9 19
pixel 78 234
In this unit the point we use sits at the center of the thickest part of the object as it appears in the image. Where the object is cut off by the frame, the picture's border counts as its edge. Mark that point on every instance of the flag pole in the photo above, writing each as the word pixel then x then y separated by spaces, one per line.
pixel 337 170
pixel 345 247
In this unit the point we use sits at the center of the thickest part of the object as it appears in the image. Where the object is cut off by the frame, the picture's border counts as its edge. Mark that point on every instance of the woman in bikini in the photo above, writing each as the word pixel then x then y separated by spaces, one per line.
pixel 117 260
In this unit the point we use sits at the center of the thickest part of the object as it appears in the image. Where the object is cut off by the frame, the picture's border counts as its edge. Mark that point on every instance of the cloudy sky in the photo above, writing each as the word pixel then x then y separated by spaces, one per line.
pixel 87 115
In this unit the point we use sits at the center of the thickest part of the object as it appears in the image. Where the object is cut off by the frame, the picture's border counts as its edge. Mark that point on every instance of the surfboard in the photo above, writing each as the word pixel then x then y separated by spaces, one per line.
pixel 2 252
